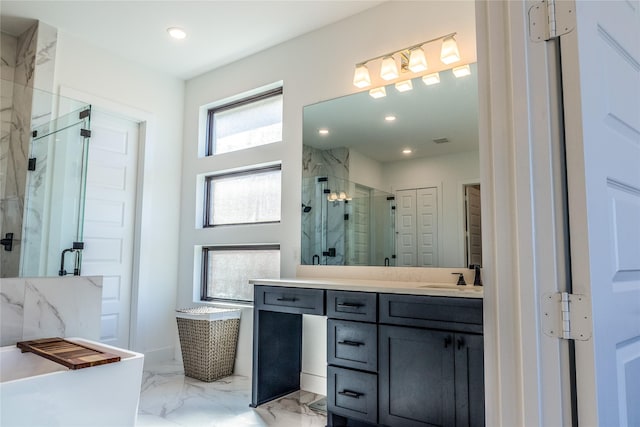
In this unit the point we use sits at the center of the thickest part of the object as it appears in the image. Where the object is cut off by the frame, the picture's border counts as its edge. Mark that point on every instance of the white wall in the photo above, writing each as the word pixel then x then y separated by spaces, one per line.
pixel 364 170
pixel 314 67
pixel 448 173
pixel 157 100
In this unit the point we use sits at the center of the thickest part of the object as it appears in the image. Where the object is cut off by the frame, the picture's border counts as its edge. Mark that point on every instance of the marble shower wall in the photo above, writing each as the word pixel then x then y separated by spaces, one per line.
pixel 323 226
pixel 32 308
pixel 27 63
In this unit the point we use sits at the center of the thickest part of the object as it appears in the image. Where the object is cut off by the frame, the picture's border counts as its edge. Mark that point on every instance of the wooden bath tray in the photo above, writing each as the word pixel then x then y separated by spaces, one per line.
pixel 67 353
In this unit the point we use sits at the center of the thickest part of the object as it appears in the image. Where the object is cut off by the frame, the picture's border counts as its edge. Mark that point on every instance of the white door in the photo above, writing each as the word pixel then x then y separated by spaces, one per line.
pixel 417 227
pixel 473 225
pixel 109 219
pixel 406 227
pixel 601 84
pixel 427 230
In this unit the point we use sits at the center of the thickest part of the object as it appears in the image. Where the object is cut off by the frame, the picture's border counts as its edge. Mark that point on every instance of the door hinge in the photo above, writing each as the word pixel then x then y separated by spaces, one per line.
pixel 85 113
pixel 566 316
pixel 86 133
pixel 32 164
pixel 550 19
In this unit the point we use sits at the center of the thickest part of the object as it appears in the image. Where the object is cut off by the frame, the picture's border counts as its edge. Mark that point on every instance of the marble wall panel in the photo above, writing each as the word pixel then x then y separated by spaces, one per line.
pixel 50 307
pixel 11 310
pixel 28 61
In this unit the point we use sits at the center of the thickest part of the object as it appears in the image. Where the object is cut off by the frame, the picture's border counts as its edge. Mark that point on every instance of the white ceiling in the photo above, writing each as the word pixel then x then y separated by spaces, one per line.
pixel 219 32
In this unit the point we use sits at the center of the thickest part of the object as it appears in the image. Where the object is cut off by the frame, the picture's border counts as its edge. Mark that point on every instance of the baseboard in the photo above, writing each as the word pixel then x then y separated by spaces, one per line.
pixel 313 383
pixel 159 355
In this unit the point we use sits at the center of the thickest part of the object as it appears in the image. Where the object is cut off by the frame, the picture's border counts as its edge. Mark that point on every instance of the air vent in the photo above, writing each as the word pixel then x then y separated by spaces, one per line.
pixel 440 140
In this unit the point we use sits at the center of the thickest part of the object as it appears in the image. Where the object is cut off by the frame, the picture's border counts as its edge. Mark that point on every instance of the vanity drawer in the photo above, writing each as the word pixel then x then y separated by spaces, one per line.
pixel 352 344
pixel 450 313
pixel 361 306
pixel 289 300
pixel 352 394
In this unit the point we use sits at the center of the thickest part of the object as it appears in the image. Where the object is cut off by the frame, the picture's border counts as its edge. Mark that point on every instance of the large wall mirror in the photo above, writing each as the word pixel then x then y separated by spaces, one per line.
pixel 395 180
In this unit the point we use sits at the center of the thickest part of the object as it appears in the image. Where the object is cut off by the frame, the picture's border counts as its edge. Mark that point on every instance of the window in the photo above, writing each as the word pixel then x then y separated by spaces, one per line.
pixel 247 197
pixel 246 123
pixel 227 269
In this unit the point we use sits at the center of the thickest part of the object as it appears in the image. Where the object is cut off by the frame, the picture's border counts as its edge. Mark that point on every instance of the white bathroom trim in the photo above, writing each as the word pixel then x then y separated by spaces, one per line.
pixel 141 265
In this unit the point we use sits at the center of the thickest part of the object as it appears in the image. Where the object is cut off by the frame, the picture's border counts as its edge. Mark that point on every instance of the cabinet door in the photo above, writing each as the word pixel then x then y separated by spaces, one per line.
pixel 416 368
pixel 469 374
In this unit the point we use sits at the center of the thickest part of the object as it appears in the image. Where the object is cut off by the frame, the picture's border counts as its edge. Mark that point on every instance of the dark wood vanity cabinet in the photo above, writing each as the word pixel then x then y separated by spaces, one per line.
pixel 429 355
pixel 394 360
pixel 430 378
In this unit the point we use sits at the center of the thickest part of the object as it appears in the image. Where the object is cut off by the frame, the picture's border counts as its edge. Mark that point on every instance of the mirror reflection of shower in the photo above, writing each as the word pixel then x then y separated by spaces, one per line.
pixel 344 223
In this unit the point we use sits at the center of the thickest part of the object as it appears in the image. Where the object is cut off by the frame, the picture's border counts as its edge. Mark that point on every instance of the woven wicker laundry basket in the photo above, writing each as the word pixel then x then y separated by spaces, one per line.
pixel 208 340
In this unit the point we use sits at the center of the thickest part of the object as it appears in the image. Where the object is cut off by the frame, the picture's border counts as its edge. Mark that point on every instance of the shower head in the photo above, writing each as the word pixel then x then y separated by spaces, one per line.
pixel 305 208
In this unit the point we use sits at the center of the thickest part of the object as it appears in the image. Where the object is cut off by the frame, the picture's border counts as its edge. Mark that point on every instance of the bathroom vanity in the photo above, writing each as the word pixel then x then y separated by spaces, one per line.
pixel 399 353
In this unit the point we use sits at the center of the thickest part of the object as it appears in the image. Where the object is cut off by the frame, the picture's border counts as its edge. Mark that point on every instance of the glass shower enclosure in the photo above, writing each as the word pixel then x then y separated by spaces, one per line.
pixel 54 198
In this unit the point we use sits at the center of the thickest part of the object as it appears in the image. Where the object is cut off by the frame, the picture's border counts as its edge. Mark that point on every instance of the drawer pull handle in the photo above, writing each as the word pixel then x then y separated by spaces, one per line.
pixel 447 341
pixel 351 343
pixel 290 299
pixel 350 304
pixel 350 393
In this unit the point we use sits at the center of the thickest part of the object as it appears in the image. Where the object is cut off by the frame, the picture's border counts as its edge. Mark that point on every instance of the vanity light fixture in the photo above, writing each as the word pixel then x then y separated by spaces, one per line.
pixel 404 86
pixel 417 60
pixel 390 118
pixel 431 79
pixel 463 70
pixel 339 196
pixel 323 132
pixel 412 59
pixel 389 69
pixel 378 92
pixel 449 52
pixel 176 33
pixel 361 77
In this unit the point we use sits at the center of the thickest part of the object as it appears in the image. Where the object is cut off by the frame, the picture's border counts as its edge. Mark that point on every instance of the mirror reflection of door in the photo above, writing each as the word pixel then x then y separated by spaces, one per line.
pixel 473 224
pixel 417 227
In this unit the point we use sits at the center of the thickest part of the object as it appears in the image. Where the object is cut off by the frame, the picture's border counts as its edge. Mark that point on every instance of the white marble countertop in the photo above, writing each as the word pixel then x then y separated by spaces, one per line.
pixel 381 286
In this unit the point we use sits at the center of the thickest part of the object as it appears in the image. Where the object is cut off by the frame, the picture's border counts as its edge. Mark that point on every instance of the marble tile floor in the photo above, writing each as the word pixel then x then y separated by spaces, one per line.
pixel 168 398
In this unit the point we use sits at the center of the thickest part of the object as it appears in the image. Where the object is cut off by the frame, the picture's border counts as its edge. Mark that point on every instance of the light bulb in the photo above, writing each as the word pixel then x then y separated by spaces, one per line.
pixel 431 79
pixel 378 92
pixel 361 77
pixel 449 53
pixel 388 69
pixel 404 86
pixel 461 71
pixel 417 60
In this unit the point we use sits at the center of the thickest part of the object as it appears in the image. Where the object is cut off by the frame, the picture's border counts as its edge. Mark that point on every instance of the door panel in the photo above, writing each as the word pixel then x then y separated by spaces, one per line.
pixel 416 377
pixel 406 227
pixel 601 65
pixel 109 219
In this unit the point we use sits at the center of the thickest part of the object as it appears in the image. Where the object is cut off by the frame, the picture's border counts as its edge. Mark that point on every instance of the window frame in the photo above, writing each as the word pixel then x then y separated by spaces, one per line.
pixel 208 214
pixel 205 268
pixel 229 106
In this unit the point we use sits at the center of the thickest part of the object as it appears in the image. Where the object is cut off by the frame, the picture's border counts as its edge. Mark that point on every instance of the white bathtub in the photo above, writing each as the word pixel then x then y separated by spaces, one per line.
pixel 35 391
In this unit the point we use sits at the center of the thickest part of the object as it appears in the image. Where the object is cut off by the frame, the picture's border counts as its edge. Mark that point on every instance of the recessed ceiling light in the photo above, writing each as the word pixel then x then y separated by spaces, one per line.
pixel 176 33
pixel 390 118
pixel 323 131
pixel 407 151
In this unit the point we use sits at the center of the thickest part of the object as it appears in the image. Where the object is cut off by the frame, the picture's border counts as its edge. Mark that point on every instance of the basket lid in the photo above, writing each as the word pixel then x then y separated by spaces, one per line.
pixel 208 313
